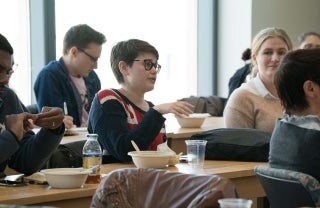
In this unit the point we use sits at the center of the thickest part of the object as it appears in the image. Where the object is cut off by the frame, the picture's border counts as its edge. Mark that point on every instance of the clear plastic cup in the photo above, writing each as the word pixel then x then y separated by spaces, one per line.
pixel 235 203
pixel 196 152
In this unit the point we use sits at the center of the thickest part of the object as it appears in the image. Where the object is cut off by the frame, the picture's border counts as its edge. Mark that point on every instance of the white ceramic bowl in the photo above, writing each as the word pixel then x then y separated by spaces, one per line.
pixel 194 120
pixel 66 177
pixel 150 159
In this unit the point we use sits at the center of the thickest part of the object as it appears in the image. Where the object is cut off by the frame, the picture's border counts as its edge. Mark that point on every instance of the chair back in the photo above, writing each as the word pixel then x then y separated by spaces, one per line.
pixel 138 187
pixel 286 188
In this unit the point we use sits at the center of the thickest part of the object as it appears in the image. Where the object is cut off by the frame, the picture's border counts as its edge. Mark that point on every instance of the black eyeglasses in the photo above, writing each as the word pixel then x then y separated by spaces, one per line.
pixel 7 70
pixel 148 65
pixel 94 59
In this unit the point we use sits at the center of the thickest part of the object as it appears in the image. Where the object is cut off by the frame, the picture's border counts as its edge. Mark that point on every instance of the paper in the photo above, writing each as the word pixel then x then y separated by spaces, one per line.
pixel 38 178
pixel 165 148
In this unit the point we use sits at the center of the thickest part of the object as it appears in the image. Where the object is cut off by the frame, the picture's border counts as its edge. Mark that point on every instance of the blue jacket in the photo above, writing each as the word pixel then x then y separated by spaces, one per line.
pixel 28 155
pixel 53 87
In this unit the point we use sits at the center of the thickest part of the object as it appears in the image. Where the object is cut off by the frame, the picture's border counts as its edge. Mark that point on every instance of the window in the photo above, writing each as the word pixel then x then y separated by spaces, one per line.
pixel 15 27
pixel 171 26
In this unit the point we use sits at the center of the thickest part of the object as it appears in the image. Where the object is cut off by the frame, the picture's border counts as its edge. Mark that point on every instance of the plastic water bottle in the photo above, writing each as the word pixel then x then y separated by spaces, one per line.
pixel 92 157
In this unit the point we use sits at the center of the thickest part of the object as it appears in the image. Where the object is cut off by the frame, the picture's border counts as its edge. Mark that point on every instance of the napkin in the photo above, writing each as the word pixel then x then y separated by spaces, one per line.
pixel 37 178
pixel 165 148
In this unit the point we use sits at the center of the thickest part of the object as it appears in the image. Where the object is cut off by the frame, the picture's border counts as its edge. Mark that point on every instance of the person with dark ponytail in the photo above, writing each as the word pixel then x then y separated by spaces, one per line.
pixel 240 75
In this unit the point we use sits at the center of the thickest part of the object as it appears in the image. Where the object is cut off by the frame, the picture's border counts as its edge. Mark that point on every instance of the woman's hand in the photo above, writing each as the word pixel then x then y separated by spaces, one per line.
pixel 179 108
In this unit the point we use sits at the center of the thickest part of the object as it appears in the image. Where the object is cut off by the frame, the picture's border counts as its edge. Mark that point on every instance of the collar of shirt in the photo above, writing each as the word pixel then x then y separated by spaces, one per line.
pixel 256 86
pixel 307 121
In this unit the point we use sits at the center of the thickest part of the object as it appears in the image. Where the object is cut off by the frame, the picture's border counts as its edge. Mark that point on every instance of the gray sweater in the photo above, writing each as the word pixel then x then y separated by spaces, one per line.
pixel 295 148
pixel 28 155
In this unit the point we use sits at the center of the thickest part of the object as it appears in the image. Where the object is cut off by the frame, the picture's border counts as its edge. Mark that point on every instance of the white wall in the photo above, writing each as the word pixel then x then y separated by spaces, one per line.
pixel 234 35
pixel 240 20
pixel 294 16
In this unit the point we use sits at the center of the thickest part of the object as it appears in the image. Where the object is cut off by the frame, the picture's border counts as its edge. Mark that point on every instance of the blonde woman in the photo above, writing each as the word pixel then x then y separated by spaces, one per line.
pixel 256 104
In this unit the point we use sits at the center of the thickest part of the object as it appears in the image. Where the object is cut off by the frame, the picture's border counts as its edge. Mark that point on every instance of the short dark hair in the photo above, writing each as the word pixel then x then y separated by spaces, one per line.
pixel 127 51
pixel 297 67
pixel 304 35
pixel 5 45
pixel 80 36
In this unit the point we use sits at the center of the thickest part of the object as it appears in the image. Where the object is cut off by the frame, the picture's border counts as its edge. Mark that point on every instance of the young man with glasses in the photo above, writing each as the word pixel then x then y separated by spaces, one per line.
pixel 121 115
pixel 20 148
pixel 71 83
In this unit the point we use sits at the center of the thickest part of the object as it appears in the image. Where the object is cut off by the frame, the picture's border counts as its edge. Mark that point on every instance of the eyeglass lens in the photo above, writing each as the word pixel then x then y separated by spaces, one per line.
pixel 8 71
pixel 148 65
pixel 90 56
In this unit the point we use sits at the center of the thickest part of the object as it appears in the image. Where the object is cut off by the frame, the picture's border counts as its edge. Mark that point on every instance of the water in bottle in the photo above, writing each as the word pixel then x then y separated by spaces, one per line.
pixel 92 157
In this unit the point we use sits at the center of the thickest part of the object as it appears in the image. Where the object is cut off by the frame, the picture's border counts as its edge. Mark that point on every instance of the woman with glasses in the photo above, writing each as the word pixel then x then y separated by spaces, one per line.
pixel 121 115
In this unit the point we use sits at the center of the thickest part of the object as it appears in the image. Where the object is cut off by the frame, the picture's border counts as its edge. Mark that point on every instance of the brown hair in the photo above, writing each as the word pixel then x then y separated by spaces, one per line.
pixel 127 51
pixel 81 36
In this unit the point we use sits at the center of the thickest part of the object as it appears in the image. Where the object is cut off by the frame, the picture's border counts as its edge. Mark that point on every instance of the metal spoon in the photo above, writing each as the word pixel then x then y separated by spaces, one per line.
pixel 135 146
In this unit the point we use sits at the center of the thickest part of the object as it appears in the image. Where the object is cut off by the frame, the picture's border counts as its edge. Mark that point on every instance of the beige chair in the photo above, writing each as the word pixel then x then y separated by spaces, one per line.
pixel 135 188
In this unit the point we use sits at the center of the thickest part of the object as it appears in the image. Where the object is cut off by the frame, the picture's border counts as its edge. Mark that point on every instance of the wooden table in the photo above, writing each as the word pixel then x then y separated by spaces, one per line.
pixel 177 135
pixel 76 134
pixel 240 173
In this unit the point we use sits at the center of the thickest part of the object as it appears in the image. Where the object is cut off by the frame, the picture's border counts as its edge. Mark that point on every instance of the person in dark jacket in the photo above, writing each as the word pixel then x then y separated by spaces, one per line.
pixel 240 75
pixel 295 140
pixel 20 148
pixel 70 83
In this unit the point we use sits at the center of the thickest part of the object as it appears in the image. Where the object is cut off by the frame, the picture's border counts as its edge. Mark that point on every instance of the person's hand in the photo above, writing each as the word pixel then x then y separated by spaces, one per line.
pixel 19 124
pixel 179 108
pixel 68 122
pixel 50 118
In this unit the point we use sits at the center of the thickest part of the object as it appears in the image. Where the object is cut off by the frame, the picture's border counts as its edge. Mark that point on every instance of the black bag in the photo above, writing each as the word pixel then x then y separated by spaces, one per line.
pixel 67 155
pixel 238 144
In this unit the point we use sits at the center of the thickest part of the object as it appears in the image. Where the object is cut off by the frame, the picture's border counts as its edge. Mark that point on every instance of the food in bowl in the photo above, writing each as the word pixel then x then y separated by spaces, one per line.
pixel 194 120
pixel 66 177
pixel 150 159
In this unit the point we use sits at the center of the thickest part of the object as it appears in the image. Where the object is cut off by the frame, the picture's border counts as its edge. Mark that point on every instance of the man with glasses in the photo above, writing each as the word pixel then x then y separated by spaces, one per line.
pixel 20 148
pixel 121 115
pixel 71 83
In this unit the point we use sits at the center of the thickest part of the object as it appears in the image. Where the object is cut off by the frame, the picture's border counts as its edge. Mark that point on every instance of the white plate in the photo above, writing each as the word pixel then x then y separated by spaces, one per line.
pixel 70 132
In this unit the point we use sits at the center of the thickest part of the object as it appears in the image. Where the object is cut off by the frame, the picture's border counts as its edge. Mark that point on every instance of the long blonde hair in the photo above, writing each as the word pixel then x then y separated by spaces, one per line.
pixel 262 36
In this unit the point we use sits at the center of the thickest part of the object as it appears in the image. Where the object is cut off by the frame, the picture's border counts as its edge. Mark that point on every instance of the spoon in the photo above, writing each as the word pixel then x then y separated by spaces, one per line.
pixel 135 146
pixel 90 170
